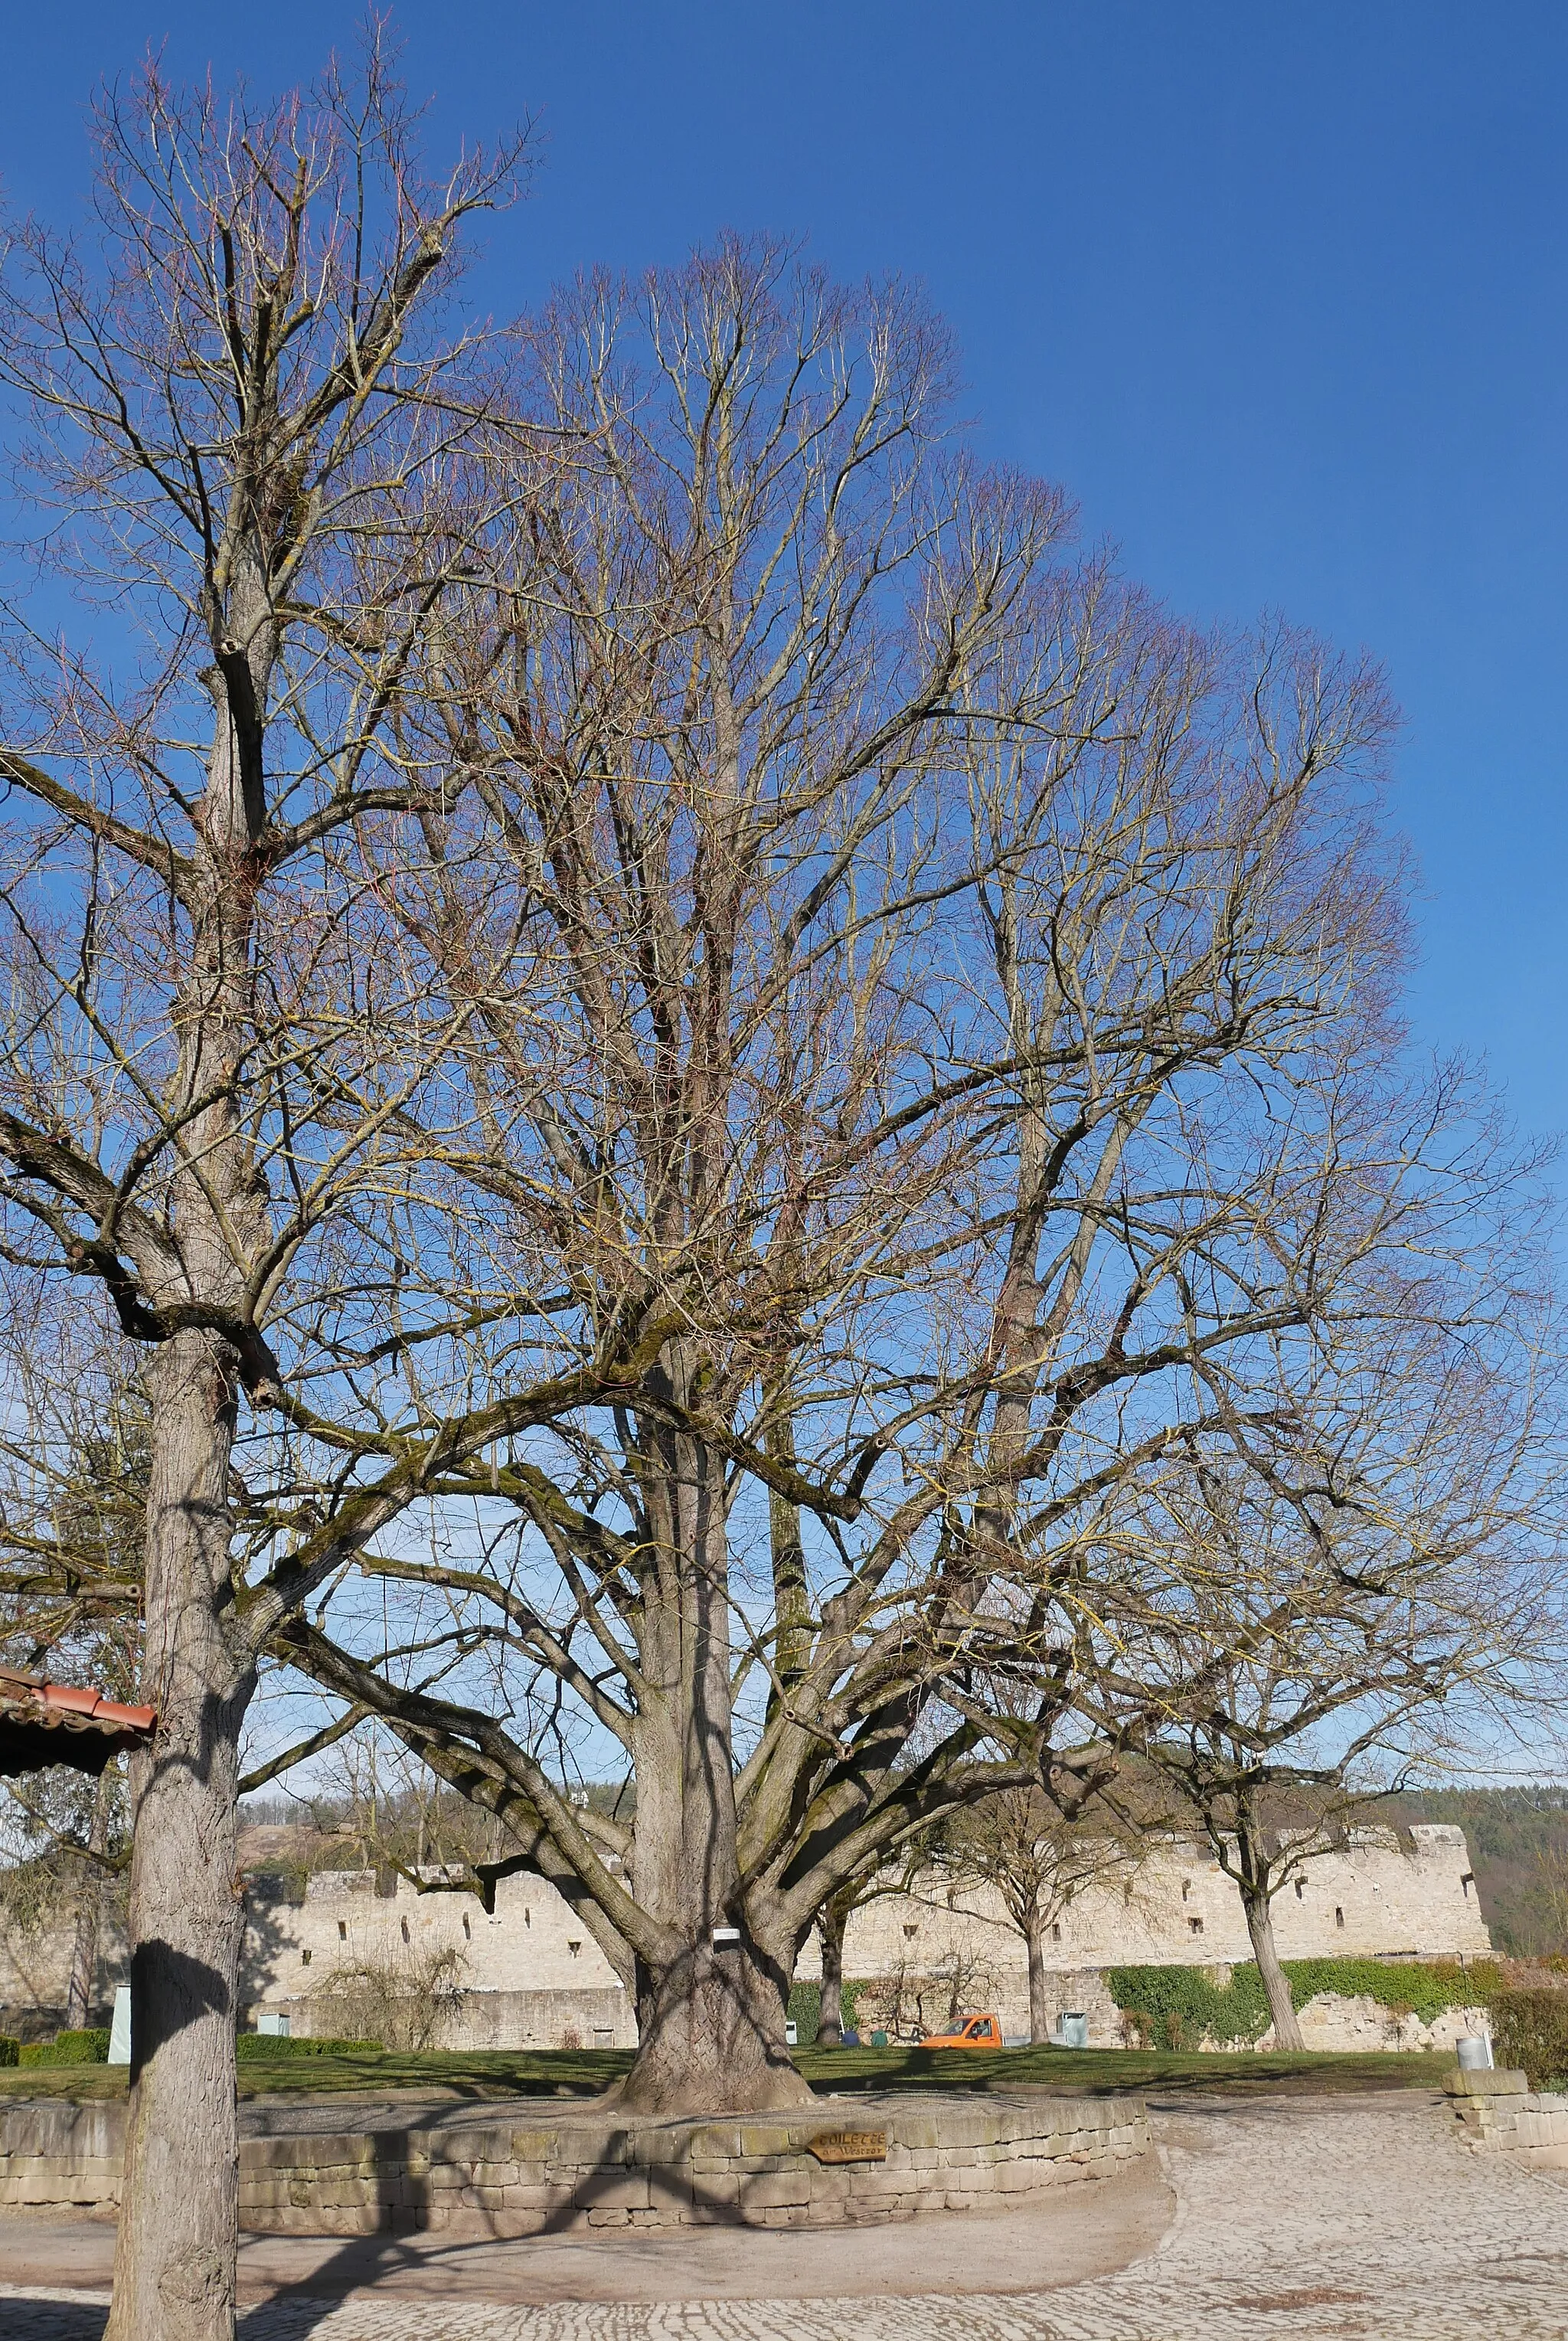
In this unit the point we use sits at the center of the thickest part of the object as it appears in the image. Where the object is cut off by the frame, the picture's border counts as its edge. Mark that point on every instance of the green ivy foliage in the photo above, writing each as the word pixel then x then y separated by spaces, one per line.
pixel 1182 2006
pixel 10 2049
pixel 805 2008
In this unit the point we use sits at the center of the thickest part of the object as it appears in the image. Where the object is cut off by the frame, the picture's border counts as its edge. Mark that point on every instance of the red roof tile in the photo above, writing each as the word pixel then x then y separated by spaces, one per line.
pixel 45 1723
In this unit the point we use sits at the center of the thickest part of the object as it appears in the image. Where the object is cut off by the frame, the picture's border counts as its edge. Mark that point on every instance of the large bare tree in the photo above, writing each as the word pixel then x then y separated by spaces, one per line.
pixel 247 440
pixel 916 985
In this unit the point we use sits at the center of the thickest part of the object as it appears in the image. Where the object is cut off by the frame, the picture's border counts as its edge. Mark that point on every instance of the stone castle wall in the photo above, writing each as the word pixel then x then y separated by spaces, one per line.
pixel 1379 1897
pixel 534 1977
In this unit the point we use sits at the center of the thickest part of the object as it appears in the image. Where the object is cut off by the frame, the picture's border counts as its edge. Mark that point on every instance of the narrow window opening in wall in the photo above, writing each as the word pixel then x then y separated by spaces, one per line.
pixel 467 1929
pixel 911 1933
pixel 403 1925
pixel 1056 1934
pixel 305 1959
pixel 527 1916
pixel 343 1931
pixel 1467 1881
pixel 1185 1887
pixel 951 1895
pixel 1339 1917
pixel 575 1948
pixel 1195 1926
pixel 1301 1890
pixel 1127 1891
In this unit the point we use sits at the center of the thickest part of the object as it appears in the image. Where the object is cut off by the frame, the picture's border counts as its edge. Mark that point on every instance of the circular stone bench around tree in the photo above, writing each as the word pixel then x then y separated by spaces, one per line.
pixel 528 2168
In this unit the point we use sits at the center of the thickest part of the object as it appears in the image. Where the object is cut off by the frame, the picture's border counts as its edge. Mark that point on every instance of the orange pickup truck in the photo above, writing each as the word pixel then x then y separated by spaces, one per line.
pixel 975 2032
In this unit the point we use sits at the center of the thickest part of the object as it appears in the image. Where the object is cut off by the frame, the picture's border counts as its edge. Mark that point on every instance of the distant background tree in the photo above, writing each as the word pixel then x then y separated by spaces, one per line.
pixel 73 1460
pixel 1036 1860
pixel 893 1875
pixel 1323 1615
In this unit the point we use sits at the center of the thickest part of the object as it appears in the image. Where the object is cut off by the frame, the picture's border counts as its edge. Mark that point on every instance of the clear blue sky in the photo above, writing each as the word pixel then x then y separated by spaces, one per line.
pixel 1278 291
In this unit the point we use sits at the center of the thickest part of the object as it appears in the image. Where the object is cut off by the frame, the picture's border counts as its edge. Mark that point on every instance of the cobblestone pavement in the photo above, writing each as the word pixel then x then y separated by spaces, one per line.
pixel 1325 2220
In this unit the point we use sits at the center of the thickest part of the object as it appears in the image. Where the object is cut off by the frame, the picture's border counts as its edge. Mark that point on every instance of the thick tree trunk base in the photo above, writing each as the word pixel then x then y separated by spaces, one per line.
pixel 713 2041
pixel 175 2258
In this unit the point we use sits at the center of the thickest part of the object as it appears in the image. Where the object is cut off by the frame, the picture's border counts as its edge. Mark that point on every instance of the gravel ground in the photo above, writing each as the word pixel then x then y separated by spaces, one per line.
pixel 1320 2219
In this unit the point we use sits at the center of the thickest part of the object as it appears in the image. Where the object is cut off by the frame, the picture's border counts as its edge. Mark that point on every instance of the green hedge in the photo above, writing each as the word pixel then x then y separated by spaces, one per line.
pixel 1529 2028
pixel 1181 2007
pixel 10 2049
pixel 283 2044
pixel 86 2048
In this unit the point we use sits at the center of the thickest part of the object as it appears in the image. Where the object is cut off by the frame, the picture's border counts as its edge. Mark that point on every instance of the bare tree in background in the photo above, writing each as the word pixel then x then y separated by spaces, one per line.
pixel 833 1922
pixel 1037 1858
pixel 928 1016
pixel 1319 1616
pixel 245 450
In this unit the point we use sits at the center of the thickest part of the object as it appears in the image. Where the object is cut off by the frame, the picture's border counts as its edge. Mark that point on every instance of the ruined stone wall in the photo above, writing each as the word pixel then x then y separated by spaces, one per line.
pixel 1380 1896
pixel 34 1971
pixel 532 1975
pixel 535 1976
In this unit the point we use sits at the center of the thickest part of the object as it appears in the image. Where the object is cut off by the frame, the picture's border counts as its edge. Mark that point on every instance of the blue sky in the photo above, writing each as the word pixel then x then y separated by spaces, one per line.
pixel 1277 291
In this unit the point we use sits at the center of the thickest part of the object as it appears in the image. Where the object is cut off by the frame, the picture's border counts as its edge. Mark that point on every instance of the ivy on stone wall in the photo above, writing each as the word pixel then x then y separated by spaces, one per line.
pixel 1182 2006
pixel 806 2007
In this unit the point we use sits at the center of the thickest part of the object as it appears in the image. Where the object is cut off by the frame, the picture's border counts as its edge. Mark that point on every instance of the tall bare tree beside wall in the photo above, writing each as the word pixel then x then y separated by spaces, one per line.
pixel 1315 1615
pixel 242 440
pixel 914 981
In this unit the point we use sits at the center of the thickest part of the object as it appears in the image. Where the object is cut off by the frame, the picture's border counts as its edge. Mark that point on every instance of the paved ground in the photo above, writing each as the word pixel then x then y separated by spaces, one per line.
pixel 1320 2219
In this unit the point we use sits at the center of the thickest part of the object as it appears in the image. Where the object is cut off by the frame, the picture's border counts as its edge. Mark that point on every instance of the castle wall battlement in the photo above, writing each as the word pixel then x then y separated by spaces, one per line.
pixel 535 1976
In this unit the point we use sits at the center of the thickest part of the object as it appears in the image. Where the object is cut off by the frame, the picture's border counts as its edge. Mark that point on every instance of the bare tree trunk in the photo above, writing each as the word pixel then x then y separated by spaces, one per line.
pixel 84 1948
pixel 713 2037
pixel 712 2015
pixel 830 1924
pixel 175 2252
pixel 1259 1907
pixel 1035 1945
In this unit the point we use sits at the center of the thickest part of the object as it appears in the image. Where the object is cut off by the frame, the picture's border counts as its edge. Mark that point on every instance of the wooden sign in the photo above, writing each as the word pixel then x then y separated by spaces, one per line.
pixel 850 2145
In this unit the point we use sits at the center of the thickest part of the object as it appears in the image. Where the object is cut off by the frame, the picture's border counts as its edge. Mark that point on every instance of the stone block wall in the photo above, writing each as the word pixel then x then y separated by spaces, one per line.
pixel 525 2174
pixel 1498 2113
pixel 1330 2022
pixel 533 1972
pixel 494 2020
pixel 62 2157
pixel 1380 1895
